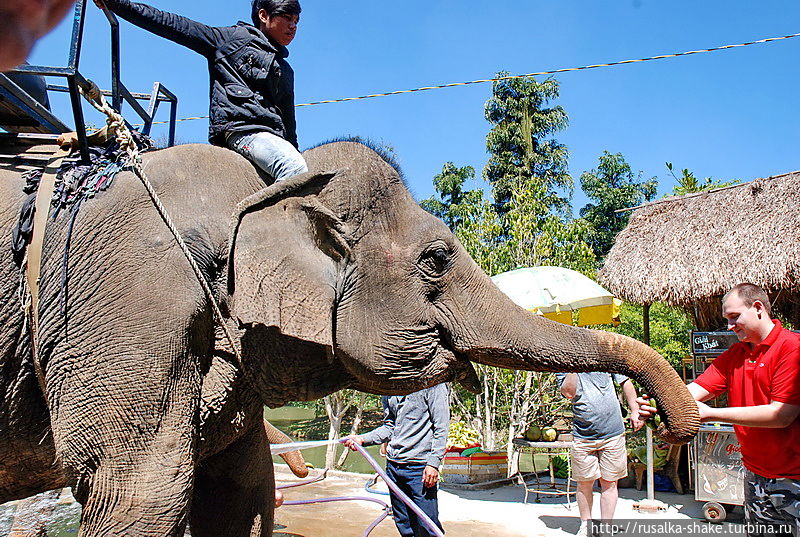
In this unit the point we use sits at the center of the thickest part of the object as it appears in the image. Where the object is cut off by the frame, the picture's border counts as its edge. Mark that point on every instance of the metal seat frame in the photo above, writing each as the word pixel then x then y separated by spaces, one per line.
pixel 32 110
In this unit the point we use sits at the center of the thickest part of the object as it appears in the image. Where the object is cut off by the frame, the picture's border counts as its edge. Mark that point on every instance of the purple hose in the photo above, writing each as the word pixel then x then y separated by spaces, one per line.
pixel 320 477
pixel 425 519
pixel 381 517
pixel 338 499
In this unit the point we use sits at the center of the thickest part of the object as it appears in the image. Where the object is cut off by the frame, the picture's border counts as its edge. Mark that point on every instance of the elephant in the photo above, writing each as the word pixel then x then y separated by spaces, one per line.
pixel 332 279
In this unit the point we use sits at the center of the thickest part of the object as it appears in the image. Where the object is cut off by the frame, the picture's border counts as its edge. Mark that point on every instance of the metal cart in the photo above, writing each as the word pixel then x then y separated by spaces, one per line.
pixel 718 471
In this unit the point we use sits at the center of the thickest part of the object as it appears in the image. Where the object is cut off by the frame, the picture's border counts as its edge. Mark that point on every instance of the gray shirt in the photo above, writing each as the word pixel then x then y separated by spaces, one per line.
pixel 415 425
pixel 595 408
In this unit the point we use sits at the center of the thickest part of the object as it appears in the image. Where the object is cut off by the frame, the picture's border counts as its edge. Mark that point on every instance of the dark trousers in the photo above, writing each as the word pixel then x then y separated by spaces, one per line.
pixel 408 478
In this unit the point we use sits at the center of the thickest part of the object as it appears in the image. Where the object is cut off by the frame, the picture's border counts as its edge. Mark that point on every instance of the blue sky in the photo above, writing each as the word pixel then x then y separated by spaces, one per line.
pixel 729 114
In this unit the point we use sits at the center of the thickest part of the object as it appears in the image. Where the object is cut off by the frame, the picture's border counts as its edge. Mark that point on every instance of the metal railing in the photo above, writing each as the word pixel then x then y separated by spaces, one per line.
pixel 75 80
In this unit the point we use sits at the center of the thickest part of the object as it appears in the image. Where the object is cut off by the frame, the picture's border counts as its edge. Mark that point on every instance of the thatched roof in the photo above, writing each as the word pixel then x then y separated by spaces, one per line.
pixel 686 250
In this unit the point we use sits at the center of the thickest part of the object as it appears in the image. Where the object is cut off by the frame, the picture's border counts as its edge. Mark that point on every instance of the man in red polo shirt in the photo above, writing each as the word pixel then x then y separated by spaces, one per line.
pixel 761 374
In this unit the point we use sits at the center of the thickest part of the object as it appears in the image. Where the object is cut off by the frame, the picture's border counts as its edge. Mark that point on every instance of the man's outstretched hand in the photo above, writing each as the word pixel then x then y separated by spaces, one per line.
pixel 351 441
pixel 645 410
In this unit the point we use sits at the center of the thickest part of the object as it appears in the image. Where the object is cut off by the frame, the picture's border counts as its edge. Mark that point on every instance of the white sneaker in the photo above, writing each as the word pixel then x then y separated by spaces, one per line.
pixel 583 531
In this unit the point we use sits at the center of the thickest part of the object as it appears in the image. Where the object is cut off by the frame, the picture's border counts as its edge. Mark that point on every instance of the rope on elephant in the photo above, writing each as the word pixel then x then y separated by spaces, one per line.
pixel 76 182
pixel 117 125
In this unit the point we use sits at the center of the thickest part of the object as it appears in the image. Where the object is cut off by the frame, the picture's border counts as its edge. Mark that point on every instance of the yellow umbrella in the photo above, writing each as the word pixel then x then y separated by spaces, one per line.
pixel 557 292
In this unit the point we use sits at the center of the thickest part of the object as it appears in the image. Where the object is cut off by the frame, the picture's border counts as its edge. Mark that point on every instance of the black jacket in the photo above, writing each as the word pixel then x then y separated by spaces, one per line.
pixel 252 84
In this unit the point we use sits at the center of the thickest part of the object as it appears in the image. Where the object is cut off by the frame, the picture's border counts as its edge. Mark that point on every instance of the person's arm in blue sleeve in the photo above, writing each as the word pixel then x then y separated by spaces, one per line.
pixel 182 30
pixel 619 378
pixel 439 408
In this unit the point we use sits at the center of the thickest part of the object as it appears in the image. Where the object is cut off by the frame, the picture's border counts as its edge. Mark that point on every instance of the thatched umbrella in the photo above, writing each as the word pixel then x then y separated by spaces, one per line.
pixel 689 250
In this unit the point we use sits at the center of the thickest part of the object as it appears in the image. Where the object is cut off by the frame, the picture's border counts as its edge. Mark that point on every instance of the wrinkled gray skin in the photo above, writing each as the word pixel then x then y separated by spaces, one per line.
pixel 345 283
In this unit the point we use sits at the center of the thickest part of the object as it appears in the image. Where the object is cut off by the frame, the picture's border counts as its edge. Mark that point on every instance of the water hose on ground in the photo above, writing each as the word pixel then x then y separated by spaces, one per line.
pixel 423 518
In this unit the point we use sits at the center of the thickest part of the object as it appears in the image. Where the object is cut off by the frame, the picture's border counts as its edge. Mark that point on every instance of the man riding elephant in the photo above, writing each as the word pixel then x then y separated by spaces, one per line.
pixel 252 84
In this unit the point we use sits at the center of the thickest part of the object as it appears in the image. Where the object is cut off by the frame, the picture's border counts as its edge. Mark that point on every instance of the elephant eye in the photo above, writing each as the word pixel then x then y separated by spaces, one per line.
pixel 435 260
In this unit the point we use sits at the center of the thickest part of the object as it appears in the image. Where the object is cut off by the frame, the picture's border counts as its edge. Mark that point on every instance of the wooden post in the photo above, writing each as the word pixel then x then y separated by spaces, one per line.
pixel 651 494
pixel 648 432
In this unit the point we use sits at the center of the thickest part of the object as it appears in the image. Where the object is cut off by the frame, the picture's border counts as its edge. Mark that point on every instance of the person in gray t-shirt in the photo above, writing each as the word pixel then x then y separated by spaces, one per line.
pixel 598 446
pixel 415 425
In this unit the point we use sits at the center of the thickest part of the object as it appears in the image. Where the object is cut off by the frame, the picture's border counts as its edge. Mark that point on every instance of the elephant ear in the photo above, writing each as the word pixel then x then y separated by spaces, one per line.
pixel 285 260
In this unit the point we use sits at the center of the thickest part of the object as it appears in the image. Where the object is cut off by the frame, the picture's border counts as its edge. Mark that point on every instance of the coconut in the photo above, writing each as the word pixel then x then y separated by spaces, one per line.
pixel 533 434
pixel 549 434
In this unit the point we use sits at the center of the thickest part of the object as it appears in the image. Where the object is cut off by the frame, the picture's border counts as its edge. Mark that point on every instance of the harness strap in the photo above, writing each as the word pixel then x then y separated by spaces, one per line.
pixel 33 266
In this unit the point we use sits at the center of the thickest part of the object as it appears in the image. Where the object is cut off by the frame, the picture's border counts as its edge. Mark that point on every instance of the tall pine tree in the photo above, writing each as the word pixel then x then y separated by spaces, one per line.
pixel 521 146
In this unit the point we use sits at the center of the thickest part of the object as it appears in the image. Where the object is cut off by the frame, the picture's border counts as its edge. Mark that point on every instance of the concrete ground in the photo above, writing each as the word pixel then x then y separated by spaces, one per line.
pixel 496 512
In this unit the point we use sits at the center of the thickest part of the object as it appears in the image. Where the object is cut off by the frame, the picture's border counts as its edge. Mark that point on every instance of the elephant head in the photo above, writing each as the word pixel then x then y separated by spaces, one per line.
pixel 369 291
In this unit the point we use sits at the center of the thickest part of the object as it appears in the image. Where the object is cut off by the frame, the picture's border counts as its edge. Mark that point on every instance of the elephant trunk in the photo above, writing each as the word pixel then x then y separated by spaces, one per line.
pixel 294 459
pixel 502 334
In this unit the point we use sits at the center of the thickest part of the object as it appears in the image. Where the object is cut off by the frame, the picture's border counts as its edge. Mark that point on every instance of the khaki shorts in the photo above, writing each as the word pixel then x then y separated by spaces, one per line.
pixel 599 459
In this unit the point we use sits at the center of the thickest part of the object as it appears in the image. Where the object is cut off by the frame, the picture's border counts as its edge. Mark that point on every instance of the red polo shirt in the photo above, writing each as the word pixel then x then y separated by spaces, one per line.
pixel 769 372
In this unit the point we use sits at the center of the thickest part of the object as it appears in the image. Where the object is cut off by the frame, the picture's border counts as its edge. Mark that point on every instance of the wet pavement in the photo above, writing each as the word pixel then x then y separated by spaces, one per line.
pixel 352 518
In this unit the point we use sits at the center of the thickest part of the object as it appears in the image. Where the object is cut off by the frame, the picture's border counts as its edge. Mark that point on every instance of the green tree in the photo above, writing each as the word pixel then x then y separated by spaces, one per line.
pixel 520 143
pixel 449 185
pixel 537 236
pixel 337 405
pixel 481 232
pixel 612 186
pixel 670 329
pixel 689 184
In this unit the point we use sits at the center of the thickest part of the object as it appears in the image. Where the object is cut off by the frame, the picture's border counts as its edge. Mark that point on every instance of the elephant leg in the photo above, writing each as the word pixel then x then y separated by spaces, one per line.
pixel 129 444
pixel 234 491
pixel 148 496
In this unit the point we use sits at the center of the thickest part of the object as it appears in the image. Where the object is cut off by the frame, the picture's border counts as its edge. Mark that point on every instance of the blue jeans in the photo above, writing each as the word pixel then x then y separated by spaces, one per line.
pixel 274 155
pixel 408 478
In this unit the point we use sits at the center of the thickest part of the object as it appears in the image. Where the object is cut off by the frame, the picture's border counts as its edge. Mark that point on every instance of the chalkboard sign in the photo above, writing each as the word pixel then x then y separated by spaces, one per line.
pixel 712 342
